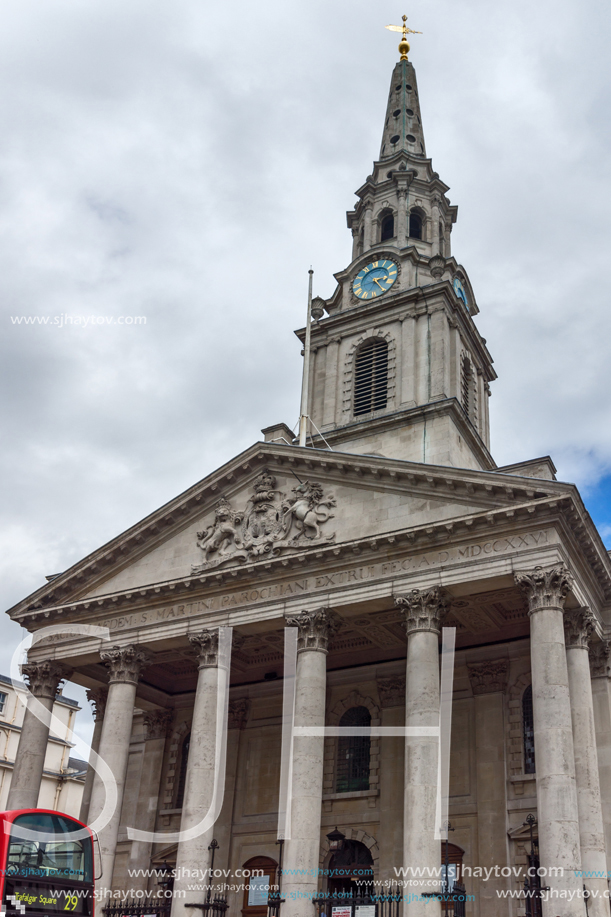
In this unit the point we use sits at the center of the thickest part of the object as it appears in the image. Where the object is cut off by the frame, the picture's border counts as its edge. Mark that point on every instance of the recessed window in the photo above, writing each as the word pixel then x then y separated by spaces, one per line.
pixel 398 87
pixel 415 225
pixel 389 175
pixel 371 377
pixel 408 87
pixel 394 139
pixel 528 731
pixel 411 139
pixel 182 777
pixel 387 227
pixel 3 700
pixel 353 753
pixel 409 112
pixel 396 113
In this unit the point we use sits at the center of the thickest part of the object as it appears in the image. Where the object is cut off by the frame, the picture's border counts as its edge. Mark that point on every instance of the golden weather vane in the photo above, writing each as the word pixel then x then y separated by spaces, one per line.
pixel 403 44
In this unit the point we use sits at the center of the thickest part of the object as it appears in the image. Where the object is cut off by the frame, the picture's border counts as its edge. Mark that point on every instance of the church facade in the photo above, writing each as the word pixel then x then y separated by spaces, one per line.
pixel 300 597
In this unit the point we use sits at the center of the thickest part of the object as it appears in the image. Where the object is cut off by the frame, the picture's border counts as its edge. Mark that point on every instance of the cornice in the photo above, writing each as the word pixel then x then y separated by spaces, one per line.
pixel 416 300
pixel 428 536
pixel 388 421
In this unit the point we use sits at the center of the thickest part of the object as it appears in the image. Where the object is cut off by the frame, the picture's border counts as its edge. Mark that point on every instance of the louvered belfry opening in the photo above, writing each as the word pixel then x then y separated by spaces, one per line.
pixel 371 377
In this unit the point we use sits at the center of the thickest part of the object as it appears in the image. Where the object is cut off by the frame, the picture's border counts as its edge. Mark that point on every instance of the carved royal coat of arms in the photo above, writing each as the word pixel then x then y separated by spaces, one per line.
pixel 269 524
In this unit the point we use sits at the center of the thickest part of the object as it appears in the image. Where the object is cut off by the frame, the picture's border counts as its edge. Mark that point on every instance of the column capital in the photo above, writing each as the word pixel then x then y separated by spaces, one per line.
pixel 124 663
pixel 488 677
pixel 599 658
pixel 44 677
pixel 238 713
pixel 206 646
pixel 97 697
pixel 544 588
pixel 579 624
pixel 156 724
pixel 422 609
pixel 315 629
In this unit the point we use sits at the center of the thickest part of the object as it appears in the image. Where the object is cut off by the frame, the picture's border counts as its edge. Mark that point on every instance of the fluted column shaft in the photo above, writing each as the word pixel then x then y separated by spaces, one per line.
pixel 124 664
pixel 193 854
pixel 43 681
pixel 300 881
pixel 98 697
pixel 423 612
pixel 578 627
pixel 558 817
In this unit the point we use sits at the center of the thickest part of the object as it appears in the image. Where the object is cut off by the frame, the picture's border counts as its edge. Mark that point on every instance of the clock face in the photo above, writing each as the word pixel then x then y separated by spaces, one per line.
pixel 460 291
pixel 376 278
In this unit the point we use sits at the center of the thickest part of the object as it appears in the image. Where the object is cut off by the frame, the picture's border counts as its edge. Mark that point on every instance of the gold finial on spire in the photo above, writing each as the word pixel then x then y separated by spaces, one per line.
pixel 403 44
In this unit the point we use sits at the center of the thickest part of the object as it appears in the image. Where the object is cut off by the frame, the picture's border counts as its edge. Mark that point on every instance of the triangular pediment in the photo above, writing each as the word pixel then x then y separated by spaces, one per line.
pixel 275 501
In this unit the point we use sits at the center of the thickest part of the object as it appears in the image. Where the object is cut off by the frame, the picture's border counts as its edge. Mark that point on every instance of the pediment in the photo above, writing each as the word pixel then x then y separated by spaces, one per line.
pixel 274 501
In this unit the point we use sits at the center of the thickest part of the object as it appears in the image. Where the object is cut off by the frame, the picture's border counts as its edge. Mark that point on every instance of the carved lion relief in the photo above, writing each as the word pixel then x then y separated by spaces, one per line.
pixel 270 523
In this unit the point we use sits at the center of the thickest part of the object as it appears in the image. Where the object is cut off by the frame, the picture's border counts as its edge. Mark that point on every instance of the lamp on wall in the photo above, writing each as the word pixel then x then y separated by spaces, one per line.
pixel 336 840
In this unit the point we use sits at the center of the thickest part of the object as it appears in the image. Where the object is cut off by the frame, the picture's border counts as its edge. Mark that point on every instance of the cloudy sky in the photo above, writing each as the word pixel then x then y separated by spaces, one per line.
pixel 188 161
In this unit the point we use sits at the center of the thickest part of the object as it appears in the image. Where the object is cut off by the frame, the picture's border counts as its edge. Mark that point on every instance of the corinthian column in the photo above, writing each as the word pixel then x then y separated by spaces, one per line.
pixel 302 850
pixel 192 855
pixel 97 697
pixel 423 611
pixel 124 665
pixel 545 592
pixel 578 627
pixel 43 680
pixel 601 696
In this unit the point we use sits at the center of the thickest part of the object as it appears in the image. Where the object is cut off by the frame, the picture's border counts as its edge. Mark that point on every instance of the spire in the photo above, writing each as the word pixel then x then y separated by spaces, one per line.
pixel 403 125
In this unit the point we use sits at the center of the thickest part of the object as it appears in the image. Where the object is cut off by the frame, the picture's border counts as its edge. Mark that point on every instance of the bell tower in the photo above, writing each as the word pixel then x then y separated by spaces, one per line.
pixel 397 365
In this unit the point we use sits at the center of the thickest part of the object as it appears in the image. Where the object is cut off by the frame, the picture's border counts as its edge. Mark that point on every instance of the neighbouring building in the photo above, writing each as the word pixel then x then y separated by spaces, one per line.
pixel 392 524
pixel 63 777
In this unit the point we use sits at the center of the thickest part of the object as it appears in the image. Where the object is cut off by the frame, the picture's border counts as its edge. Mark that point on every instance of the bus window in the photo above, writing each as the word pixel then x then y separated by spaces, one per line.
pixel 59 857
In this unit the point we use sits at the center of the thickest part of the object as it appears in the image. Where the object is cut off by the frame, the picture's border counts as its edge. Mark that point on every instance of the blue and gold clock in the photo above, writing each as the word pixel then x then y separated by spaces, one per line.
pixel 460 291
pixel 375 278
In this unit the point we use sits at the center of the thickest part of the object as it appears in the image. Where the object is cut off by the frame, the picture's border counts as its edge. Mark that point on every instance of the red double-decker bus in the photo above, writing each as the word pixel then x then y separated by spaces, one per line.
pixel 46 864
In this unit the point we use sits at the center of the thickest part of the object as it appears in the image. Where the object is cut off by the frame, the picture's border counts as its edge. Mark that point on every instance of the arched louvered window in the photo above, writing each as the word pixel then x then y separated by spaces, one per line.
pixel 415 225
pixel 468 388
pixel 352 773
pixel 182 776
pixel 371 377
pixel 528 731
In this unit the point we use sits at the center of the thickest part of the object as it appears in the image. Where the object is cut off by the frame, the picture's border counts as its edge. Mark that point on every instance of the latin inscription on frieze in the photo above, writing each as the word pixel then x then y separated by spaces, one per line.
pixel 325 581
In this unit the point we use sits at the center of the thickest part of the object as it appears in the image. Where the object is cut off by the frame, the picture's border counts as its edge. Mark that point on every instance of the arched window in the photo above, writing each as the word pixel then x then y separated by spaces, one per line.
pixel 468 388
pixel 352 772
pixel 415 225
pixel 528 731
pixel 371 377
pixel 387 226
pixel 451 874
pixel 182 776
pixel 351 869
pixel 258 886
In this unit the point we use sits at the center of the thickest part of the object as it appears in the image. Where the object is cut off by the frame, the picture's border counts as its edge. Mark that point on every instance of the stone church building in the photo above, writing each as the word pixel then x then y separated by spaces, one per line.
pixel 392 525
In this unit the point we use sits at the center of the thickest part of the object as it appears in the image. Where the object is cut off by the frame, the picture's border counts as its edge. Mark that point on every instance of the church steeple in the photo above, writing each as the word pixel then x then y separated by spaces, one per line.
pixel 398 366
pixel 403 124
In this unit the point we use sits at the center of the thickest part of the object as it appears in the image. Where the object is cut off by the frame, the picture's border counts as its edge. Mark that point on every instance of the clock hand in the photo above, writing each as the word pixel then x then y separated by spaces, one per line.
pixel 375 280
